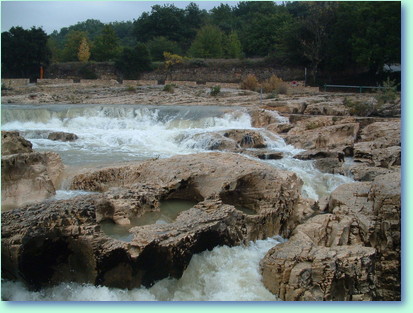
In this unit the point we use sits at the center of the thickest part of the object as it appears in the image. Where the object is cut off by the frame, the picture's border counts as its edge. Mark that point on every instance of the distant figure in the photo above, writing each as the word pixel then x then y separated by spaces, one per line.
pixel 340 156
pixel 294 83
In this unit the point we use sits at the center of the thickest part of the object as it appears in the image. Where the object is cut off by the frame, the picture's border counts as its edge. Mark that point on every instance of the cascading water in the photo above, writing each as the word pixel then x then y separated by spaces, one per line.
pixel 113 134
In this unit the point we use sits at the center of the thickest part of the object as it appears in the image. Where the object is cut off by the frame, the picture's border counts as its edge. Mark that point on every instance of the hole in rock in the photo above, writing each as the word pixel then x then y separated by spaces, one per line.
pixel 245 210
pixel 167 213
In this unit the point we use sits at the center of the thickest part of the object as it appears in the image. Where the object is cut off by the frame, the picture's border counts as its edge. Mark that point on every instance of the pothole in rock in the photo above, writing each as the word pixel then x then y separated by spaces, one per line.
pixel 245 210
pixel 168 212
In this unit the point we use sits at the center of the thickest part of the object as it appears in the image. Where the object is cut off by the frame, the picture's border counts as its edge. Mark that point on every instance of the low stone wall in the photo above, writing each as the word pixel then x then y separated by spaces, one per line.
pixel 54 81
pixel 99 82
pixel 15 82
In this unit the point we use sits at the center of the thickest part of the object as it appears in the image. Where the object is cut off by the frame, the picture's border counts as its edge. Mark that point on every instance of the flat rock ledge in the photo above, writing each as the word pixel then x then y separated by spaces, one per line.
pixel 57 241
pixel 352 252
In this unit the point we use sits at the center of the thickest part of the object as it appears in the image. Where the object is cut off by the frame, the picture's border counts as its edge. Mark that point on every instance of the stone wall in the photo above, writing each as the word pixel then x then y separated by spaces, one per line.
pixel 15 82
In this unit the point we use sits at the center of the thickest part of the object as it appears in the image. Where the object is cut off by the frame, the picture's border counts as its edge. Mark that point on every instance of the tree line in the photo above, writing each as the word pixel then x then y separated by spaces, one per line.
pixel 329 36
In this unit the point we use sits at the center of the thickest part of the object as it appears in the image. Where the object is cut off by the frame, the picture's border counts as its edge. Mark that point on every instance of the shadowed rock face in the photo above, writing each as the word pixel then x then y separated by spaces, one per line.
pixel 59 241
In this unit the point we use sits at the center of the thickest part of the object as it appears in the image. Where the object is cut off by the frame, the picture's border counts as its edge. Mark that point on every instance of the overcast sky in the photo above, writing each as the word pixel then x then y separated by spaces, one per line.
pixel 53 15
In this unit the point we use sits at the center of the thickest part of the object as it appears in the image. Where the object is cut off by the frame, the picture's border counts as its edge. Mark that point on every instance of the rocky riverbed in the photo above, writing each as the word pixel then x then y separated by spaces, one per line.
pixel 299 166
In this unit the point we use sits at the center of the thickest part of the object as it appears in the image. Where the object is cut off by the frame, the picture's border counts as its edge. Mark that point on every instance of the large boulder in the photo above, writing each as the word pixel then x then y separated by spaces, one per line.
pixel 29 177
pixel 62 136
pixel 64 240
pixel 350 253
pixel 12 143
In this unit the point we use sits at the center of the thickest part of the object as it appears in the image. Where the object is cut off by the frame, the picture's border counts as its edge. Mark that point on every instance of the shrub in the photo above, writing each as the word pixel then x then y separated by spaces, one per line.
pixel 130 89
pixel 169 88
pixel 250 82
pixel 215 90
pixel 274 84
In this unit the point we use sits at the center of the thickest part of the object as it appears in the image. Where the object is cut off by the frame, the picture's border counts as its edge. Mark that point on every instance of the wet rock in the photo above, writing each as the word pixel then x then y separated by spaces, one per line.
pixel 246 138
pixel 363 171
pixel 29 177
pixel 62 136
pixel 261 118
pixel 315 154
pixel 58 241
pixel 12 143
pixel 263 154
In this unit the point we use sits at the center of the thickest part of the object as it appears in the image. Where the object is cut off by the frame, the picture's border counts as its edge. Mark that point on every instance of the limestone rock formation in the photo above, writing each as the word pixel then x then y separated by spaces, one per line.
pixel 350 253
pixel 335 137
pixel 29 177
pixel 12 143
pixel 57 241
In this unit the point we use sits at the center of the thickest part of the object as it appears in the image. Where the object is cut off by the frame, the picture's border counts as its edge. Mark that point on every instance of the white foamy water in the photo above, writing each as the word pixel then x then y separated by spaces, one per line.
pixel 118 133
pixel 223 274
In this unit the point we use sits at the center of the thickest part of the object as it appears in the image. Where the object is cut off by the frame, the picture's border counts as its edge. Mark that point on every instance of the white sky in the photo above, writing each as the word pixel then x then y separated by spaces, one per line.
pixel 53 15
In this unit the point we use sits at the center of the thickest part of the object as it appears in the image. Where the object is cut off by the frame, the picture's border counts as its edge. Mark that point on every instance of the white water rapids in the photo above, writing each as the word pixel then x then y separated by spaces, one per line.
pixel 111 134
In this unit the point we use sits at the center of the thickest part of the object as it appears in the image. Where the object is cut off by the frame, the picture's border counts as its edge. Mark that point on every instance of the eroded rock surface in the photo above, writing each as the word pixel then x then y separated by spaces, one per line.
pixel 60 241
pixel 350 253
pixel 12 143
pixel 27 176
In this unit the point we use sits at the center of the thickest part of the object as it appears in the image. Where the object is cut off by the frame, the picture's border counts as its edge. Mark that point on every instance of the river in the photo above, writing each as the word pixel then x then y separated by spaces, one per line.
pixel 111 134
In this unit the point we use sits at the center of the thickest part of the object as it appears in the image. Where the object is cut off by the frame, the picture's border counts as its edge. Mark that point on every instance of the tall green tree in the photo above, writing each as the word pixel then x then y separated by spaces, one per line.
pixel 158 45
pixel 208 43
pixel 132 62
pixel 23 52
pixel 232 46
pixel 105 46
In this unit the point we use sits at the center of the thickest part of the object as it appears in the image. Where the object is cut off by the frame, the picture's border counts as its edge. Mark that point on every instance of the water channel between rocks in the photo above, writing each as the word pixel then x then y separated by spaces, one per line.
pixel 113 134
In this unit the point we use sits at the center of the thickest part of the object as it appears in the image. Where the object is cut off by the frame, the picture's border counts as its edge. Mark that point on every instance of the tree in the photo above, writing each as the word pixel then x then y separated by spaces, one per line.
pixel 72 44
pixel 207 43
pixel 315 33
pixel 168 21
pixel 23 52
pixel 223 17
pixel 158 45
pixel 260 26
pixel 83 53
pixel 132 62
pixel 232 46
pixel 105 46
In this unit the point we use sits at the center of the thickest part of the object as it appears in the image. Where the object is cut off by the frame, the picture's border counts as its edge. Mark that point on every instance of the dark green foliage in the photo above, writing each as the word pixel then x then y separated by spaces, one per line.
pixel 208 43
pixel 134 61
pixel 72 43
pixel 179 25
pixel 215 90
pixel 105 46
pixel 23 52
pixel 158 45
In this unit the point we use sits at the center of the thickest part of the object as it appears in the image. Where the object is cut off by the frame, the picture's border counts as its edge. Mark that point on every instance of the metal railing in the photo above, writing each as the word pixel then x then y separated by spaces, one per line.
pixel 360 88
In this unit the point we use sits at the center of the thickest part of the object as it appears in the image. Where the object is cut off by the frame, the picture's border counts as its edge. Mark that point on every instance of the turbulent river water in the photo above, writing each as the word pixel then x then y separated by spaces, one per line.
pixel 112 134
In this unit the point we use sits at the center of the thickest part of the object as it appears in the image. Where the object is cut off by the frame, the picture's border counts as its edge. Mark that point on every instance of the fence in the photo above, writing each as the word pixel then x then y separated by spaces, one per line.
pixel 360 88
